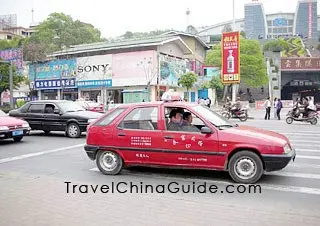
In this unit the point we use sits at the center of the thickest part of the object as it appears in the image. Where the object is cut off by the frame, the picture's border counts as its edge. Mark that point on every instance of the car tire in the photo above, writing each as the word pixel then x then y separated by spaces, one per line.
pixel 109 162
pixel 245 167
pixel 46 131
pixel 17 139
pixel 73 130
pixel 314 121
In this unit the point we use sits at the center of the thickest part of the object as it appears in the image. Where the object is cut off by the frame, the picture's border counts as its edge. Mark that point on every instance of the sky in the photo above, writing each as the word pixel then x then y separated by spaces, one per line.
pixel 115 17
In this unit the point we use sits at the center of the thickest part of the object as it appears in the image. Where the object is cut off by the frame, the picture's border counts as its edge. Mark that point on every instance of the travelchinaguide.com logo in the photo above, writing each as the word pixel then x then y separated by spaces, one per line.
pixel 172 187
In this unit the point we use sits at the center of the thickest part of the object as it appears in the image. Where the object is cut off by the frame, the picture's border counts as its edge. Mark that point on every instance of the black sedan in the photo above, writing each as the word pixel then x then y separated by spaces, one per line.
pixel 56 115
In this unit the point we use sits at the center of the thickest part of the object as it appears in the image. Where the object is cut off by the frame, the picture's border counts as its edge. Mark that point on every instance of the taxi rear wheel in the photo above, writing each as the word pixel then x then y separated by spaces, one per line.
pixel 245 167
pixel 109 162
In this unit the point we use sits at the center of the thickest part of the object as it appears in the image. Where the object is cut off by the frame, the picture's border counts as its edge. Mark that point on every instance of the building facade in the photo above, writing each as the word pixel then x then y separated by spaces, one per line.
pixel 256 24
pixel 121 72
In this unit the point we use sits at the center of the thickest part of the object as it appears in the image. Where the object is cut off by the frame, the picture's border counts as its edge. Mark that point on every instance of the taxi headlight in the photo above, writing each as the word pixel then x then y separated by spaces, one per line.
pixel 287 149
pixel 4 128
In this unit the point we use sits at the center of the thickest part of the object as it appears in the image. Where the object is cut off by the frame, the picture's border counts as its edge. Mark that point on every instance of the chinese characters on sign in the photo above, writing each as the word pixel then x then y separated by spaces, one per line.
pixel 15 56
pixel 302 64
pixel 94 83
pixel 55 83
pixel 230 57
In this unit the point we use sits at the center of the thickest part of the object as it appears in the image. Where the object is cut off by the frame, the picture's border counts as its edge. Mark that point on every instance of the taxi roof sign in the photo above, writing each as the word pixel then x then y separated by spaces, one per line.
pixel 171 95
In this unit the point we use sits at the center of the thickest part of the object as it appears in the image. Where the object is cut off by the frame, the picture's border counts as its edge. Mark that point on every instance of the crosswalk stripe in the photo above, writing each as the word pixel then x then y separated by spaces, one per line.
pixel 304 190
pixel 300 165
pixel 307 150
pixel 291 174
pixel 308 157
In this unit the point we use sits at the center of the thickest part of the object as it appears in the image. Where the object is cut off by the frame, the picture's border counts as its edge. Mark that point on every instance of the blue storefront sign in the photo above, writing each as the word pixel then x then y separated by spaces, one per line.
pixel 55 83
pixel 54 69
pixel 94 83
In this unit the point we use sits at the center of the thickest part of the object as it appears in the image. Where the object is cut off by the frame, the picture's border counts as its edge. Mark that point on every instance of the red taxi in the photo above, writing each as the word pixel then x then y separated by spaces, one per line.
pixel 184 135
pixel 13 128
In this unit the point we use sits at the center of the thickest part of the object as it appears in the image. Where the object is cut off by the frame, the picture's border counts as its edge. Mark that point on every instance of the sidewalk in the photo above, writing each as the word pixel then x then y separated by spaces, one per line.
pixel 259 114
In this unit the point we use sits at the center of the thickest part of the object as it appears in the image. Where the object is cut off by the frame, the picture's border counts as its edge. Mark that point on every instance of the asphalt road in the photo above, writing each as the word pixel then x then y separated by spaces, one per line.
pixel 33 189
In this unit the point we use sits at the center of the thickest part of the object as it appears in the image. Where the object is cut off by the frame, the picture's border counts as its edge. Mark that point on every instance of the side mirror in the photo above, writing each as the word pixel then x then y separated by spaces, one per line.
pixel 56 111
pixel 206 130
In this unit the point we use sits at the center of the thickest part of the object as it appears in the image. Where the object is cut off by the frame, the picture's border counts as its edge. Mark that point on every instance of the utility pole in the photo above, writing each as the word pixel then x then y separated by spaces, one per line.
pixel 10 80
pixel 234 86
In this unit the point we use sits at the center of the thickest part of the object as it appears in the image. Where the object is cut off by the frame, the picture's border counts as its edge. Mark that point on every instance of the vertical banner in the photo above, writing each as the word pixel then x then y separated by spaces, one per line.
pixel 230 73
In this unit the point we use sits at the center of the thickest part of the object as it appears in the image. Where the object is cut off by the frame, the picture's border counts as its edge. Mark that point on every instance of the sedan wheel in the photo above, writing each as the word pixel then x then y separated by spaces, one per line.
pixel 245 167
pixel 109 163
pixel 73 130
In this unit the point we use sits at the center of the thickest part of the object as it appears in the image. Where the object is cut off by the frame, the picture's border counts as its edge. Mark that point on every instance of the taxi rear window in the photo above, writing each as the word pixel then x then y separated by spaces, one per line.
pixel 106 120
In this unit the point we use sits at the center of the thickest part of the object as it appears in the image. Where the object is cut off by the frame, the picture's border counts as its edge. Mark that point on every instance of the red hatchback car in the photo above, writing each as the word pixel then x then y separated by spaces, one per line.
pixel 184 135
pixel 12 128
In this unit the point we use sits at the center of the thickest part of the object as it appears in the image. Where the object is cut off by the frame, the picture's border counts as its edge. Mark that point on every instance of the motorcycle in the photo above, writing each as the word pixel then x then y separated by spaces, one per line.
pixel 241 114
pixel 312 118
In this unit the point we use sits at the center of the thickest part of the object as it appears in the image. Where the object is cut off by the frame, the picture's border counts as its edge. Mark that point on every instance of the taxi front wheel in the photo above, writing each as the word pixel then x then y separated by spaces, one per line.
pixel 245 167
pixel 109 163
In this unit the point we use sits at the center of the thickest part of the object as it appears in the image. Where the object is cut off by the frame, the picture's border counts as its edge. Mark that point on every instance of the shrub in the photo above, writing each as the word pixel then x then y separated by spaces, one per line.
pixel 20 103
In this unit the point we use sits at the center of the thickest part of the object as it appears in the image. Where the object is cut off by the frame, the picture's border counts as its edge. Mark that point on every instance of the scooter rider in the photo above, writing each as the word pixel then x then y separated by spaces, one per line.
pixel 236 106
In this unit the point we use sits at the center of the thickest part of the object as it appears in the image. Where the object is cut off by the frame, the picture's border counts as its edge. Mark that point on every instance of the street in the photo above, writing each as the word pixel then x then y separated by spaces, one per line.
pixel 33 189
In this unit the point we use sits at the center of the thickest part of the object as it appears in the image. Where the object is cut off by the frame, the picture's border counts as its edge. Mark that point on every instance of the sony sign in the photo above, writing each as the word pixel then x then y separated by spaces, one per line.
pixel 94 67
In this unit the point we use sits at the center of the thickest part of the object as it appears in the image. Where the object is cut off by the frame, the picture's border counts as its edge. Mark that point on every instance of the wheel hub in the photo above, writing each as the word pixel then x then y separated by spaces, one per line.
pixel 245 168
pixel 108 161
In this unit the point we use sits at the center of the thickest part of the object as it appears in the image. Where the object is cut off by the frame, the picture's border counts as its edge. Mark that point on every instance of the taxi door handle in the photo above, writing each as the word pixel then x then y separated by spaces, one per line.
pixel 121 134
pixel 168 137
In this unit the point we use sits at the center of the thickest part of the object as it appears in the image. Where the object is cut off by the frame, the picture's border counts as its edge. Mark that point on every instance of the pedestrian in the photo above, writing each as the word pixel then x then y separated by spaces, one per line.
pixel 275 102
pixel 267 105
pixel 279 107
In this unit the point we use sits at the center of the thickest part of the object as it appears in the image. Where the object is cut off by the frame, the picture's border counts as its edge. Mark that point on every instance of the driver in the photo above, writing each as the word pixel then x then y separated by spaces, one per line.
pixel 175 120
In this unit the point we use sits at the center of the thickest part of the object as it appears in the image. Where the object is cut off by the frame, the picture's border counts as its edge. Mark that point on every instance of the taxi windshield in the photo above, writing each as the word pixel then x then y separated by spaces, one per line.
pixel 213 117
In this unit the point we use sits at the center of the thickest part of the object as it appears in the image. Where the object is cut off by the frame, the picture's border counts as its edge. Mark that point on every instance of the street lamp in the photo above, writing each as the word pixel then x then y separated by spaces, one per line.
pixel 10 80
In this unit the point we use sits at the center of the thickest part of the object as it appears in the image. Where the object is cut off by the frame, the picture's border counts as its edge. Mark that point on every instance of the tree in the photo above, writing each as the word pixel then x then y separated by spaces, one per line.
pixel 187 80
pixel 5 72
pixel 215 84
pixel 243 34
pixel 278 45
pixel 60 30
pixel 130 35
pixel 253 68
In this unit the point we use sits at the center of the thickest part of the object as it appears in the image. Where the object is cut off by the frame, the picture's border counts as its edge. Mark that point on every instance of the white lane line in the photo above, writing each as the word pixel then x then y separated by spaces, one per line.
pixel 20 157
pixel 282 174
pixel 305 141
pixel 302 134
pixel 300 165
pixel 307 150
pixel 305 190
pixel 308 157
pixel 299 175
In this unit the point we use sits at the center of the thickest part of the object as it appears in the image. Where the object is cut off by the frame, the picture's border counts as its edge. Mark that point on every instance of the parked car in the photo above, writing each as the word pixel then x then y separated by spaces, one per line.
pixel 12 128
pixel 91 106
pixel 142 134
pixel 56 115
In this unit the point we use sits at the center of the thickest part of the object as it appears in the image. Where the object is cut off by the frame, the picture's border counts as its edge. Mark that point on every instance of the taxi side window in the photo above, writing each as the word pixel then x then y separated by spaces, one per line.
pixel 110 117
pixel 144 118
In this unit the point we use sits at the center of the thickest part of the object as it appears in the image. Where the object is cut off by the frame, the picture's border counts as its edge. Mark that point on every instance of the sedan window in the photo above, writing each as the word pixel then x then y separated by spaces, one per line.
pixel 36 108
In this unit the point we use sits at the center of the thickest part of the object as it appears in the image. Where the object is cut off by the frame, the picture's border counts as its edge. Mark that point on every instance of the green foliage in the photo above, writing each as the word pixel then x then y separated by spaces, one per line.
pixel 278 45
pixel 253 68
pixel 14 43
pixel 243 34
pixel 214 83
pixel 4 82
pixel 20 103
pixel 130 35
pixel 187 80
pixel 60 30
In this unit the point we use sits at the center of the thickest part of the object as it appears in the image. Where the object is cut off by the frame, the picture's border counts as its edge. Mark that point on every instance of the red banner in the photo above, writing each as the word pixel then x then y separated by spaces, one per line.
pixel 230 57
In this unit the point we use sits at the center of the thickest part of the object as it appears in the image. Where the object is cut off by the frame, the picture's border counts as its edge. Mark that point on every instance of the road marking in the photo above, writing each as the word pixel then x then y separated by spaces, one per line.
pixel 305 190
pixel 305 141
pixel 290 174
pixel 307 150
pixel 20 157
pixel 307 157
pixel 300 165
pixel 302 134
